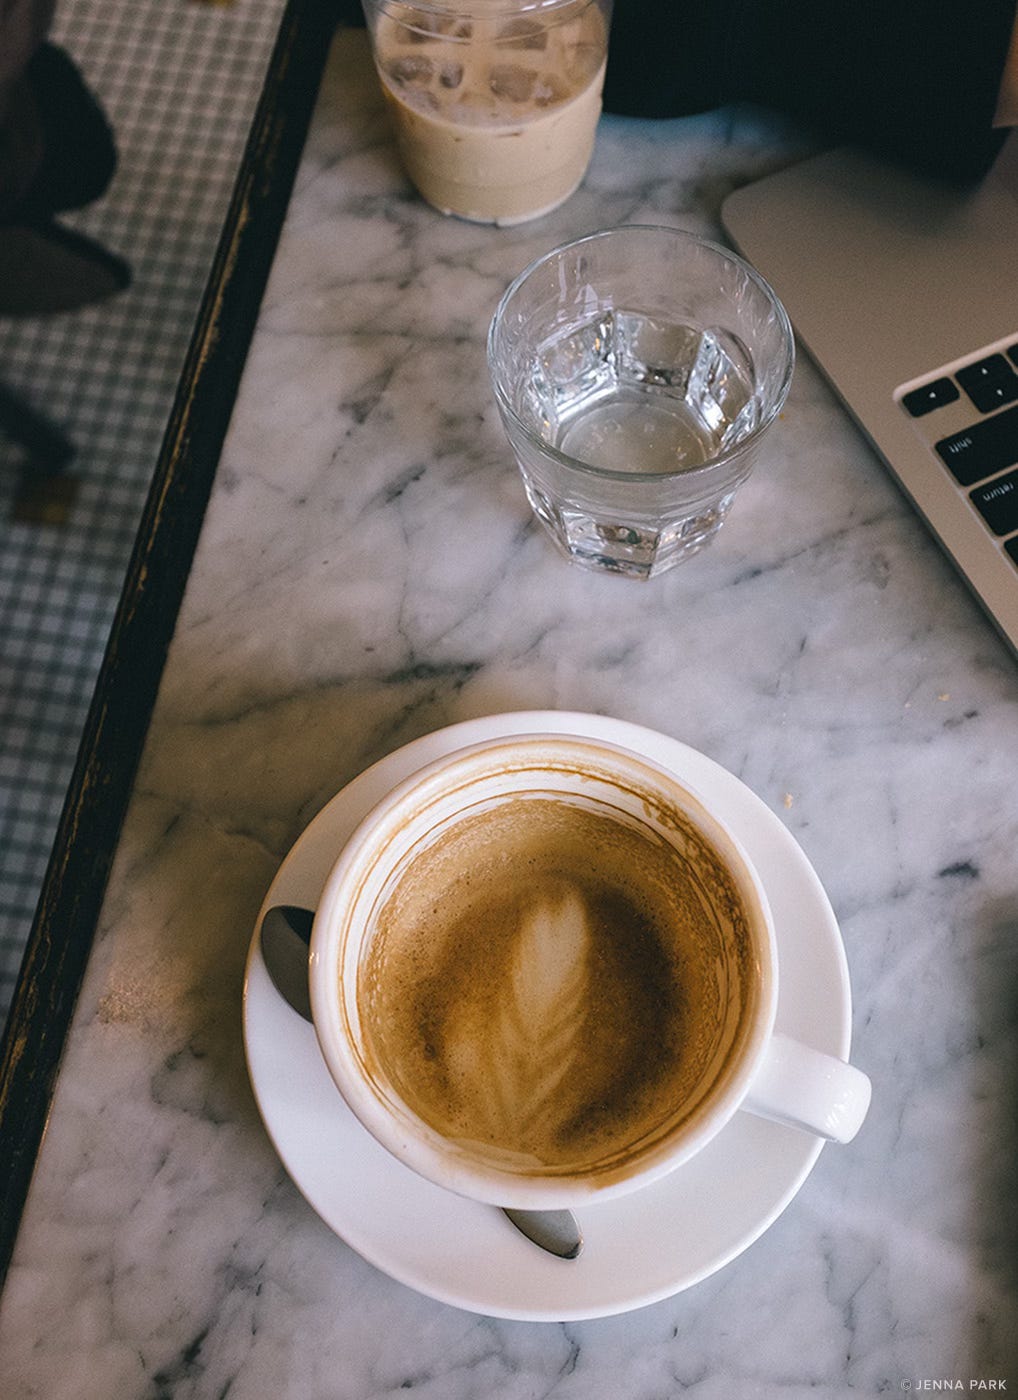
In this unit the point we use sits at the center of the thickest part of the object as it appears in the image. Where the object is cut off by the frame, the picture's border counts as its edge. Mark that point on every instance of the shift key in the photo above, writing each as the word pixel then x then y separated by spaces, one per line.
pixel 987 447
pixel 997 503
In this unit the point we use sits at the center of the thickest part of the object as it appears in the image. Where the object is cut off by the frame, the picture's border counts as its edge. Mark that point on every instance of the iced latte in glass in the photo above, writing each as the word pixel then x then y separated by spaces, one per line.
pixel 494 102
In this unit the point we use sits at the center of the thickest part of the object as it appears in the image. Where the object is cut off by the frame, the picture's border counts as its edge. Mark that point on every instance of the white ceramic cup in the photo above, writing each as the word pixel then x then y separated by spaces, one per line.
pixel 769 1074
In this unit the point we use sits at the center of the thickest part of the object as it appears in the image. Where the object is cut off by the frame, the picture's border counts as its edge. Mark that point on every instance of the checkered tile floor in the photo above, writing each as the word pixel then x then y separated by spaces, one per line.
pixel 179 80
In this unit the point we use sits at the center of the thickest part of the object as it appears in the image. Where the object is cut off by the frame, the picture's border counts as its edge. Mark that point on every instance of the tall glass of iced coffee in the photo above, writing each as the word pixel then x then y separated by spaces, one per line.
pixel 494 102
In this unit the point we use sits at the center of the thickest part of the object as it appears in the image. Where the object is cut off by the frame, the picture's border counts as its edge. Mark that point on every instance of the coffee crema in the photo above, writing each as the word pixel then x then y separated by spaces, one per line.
pixel 554 986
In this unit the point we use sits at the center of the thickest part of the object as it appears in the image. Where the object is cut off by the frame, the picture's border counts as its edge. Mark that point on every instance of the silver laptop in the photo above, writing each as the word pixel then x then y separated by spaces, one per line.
pixel 905 293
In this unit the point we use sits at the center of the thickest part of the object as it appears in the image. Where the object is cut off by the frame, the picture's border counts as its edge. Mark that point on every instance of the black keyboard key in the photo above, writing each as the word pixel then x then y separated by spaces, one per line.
pixel 990 383
pixel 982 450
pixel 1012 548
pixel 990 396
pixel 997 503
pixel 984 371
pixel 1013 353
pixel 930 396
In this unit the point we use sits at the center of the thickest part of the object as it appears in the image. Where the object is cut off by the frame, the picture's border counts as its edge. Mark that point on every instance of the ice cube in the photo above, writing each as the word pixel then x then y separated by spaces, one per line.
pixel 583 61
pixel 413 69
pixel 425 29
pixel 549 89
pixel 522 33
pixel 422 29
pixel 450 75
pixel 512 82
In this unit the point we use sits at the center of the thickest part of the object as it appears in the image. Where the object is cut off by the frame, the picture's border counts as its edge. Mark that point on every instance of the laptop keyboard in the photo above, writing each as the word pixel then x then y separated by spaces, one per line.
pixel 982 453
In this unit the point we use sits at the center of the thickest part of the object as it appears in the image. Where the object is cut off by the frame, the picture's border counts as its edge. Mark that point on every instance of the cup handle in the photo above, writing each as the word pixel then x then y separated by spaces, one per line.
pixel 807 1089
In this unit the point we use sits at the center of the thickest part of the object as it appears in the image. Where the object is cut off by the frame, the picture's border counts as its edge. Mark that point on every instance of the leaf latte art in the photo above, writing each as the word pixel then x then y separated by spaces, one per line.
pixel 535 1041
pixel 552 987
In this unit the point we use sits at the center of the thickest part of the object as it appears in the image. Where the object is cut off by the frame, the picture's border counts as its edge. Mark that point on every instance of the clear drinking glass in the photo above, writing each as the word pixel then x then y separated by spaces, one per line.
pixel 494 103
pixel 636 371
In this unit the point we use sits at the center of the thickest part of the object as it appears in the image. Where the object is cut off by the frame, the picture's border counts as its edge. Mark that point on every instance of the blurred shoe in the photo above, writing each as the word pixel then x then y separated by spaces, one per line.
pixel 46 268
pixel 78 152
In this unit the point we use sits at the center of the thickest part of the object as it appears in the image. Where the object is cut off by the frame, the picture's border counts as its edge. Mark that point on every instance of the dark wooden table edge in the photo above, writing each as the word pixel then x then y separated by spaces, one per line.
pixel 64 928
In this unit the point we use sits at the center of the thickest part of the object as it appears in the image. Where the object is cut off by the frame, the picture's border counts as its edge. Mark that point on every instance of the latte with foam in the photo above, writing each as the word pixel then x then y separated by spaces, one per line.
pixel 556 987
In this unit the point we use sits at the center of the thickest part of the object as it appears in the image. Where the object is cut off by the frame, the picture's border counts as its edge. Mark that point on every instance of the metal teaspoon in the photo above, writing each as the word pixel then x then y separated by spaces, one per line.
pixel 285 937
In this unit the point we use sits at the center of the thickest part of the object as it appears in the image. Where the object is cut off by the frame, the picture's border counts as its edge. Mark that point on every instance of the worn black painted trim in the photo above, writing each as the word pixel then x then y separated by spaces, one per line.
pixel 63 931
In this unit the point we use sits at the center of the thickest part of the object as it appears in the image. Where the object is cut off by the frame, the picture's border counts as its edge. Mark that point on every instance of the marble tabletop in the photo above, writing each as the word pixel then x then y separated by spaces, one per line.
pixel 368 573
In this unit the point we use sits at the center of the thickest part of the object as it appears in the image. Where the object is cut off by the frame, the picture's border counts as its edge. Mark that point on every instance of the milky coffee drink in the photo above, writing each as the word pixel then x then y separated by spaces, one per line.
pixel 494 107
pixel 555 987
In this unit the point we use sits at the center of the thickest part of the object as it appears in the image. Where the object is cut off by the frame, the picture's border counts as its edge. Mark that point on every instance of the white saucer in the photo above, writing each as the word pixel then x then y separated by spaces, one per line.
pixel 639 1249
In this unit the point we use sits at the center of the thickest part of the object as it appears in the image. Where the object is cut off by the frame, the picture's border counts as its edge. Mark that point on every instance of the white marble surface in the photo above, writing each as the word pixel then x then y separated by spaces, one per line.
pixel 368 572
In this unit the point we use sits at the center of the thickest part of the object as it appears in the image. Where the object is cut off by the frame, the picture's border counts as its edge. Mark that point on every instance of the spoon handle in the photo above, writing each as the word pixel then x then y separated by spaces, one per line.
pixel 286 959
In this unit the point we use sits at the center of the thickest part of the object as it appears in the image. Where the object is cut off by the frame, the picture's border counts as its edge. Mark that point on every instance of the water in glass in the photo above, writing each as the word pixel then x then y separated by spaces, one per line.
pixel 635 393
